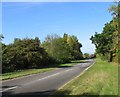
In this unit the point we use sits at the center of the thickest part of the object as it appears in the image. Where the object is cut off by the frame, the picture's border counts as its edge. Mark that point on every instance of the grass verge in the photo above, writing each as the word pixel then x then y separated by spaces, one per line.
pixel 21 73
pixel 72 63
pixel 100 79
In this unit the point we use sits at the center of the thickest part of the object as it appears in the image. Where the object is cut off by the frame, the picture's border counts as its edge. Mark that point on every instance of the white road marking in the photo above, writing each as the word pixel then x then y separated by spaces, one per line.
pixel 9 89
pixel 54 74
pixel 68 70
pixel 35 81
pixel 77 76
pixel 47 77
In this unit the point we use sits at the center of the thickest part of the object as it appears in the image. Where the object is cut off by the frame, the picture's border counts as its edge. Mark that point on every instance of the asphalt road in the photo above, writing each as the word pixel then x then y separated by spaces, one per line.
pixel 45 83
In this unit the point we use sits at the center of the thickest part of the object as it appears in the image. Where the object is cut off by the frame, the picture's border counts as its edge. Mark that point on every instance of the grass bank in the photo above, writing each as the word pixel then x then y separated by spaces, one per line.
pixel 21 73
pixel 100 79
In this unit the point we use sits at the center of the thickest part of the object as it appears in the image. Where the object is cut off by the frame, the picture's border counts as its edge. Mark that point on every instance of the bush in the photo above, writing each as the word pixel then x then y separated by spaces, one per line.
pixel 24 54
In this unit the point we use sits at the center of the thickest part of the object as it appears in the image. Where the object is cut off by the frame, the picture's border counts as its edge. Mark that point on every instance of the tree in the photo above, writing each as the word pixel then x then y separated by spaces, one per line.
pixel 103 41
pixel 115 11
pixel 23 54
pixel 107 42
pixel 74 45
pixel 1 44
pixel 57 48
pixel 1 37
pixel 86 55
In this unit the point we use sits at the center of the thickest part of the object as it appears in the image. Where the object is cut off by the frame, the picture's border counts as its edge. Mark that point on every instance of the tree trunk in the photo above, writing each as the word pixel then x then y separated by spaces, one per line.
pixel 110 58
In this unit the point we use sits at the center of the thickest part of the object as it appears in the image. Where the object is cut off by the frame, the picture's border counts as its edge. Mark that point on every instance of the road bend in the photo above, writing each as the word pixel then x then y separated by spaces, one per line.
pixel 44 83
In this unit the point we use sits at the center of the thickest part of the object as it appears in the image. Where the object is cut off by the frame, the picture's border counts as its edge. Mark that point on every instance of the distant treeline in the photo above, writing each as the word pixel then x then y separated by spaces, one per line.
pixel 30 53
pixel 106 43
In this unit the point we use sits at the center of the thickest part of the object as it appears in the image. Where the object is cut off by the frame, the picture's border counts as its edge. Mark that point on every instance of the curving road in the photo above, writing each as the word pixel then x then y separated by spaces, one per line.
pixel 44 83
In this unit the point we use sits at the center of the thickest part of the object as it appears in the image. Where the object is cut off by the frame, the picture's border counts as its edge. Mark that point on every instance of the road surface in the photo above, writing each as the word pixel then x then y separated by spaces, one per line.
pixel 44 83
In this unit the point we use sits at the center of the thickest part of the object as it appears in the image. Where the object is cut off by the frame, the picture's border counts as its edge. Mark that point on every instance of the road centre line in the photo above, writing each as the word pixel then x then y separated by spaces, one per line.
pixel 9 89
pixel 36 80
pixel 43 78
pixel 47 77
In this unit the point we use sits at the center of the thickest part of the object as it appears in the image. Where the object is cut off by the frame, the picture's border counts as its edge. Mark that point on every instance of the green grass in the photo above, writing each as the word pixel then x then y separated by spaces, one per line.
pixel 66 64
pixel 21 73
pixel 72 63
pixel 77 61
pixel 100 79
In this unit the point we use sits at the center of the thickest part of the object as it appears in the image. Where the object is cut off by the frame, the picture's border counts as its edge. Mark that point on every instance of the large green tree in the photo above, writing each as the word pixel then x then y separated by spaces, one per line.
pixel 107 42
pixel 23 54
pixel 75 46
pixel 103 41
pixel 57 48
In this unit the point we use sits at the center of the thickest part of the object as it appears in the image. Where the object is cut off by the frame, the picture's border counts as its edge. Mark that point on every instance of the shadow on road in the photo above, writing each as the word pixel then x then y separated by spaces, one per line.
pixel 80 61
pixel 29 94
pixel 52 93
pixel 74 62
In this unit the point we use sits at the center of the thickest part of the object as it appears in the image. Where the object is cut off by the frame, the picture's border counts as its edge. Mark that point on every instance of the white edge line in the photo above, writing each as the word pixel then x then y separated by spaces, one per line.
pixel 51 76
pixel 25 76
pixel 35 81
pixel 9 89
pixel 76 76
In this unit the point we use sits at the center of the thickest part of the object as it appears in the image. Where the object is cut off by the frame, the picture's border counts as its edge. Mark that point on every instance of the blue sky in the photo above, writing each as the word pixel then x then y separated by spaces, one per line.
pixel 31 19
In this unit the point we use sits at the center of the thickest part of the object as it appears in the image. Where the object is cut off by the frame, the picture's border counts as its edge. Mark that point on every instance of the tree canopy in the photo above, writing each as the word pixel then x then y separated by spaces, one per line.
pixel 106 43
pixel 23 54
pixel 30 53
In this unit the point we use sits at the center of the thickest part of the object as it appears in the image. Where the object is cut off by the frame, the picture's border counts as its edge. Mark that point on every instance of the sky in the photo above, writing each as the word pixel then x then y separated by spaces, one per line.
pixel 39 19
pixel 58 0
